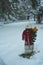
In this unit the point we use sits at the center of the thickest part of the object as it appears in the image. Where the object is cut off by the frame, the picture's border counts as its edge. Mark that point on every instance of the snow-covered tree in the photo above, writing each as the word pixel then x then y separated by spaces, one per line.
pixel 35 3
pixel 10 9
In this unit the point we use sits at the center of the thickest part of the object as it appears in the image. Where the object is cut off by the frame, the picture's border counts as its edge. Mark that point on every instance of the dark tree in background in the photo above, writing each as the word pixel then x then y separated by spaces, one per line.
pixel 40 15
pixel 34 3
pixel 5 8
pixel 12 9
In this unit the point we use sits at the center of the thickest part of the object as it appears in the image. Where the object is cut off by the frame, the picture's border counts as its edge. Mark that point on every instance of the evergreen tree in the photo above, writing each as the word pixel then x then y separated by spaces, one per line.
pixel 16 1
pixel 35 3
pixel 14 8
pixel 5 8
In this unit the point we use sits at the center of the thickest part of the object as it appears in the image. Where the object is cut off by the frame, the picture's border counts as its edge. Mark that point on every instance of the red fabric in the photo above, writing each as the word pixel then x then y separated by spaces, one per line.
pixel 26 35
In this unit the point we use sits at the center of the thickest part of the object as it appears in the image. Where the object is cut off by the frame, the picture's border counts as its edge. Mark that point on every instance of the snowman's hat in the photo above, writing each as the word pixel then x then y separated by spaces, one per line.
pixel 28 26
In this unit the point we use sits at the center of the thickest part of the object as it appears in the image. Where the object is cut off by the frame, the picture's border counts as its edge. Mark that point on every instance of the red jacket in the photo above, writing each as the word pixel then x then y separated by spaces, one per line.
pixel 26 35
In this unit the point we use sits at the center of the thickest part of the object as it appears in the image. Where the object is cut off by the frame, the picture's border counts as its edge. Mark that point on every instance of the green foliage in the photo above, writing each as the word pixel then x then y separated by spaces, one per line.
pixel 5 8
pixel 15 1
pixel 33 36
pixel 8 8
pixel 34 4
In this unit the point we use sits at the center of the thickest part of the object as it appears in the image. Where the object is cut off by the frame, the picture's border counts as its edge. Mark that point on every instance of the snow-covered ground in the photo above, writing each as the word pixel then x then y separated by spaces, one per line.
pixel 11 44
